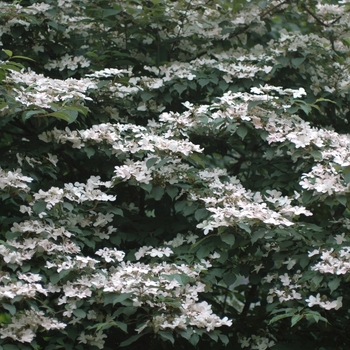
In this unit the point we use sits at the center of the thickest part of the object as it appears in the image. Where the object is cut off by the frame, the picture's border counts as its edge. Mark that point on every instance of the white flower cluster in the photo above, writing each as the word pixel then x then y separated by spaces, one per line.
pixel 230 203
pixel 23 326
pixel 33 89
pixel 77 192
pixel 324 303
pixel 333 262
pixel 257 342
pixel 14 179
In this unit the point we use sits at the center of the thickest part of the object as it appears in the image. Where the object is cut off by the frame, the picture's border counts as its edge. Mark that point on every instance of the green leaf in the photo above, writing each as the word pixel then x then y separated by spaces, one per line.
pixel 194 339
pixel 67 116
pixel 203 82
pixel 180 88
pixel 296 319
pixel 8 52
pixel 244 227
pixel 10 347
pixel 229 279
pixel 228 239
pixel 280 317
pixel 109 12
pixel 242 131
pixel 306 108
pixel 181 279
pixel 157 192
pixel 23 58
pixel 224 339
pixel 317 280
pixel 79 313
pixel 5 318
pixel 10 308
pixel 201 214
pixel 39 206
pixel 334 284
pixel 150 162
pixel 26 115
pixel 252 104
pixel 342 200
pixel 316 155
pixel 89 151
pixel 296 62
pixel 346 174
pixel 167 336
pixel 114 298
pixel 172 191
pixel 213 335
pixel 146 187
pixel 123 326
pixel 131 340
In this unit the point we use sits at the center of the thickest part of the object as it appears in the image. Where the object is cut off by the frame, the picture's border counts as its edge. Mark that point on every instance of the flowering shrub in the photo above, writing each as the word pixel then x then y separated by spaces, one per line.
pixel 174 174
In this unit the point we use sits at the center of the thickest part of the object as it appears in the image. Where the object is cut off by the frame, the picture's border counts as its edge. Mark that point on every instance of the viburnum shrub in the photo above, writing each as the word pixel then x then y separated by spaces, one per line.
pixel 174 174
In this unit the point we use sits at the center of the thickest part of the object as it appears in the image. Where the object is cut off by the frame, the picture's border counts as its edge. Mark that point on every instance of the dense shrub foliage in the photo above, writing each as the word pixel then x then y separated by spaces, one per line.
pixel 174 174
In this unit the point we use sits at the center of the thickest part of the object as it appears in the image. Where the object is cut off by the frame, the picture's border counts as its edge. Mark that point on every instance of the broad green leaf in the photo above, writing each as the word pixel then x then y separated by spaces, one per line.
pixel 150 162
pixel 8 52
pixel 131 340
pixel 157 192
pixel 10 308
pixel 172 191
pixel 79 313
pixel 242 131
pixel 228 238
pixel 68 117
pixel 167 336
pixel 295 319
pixel 334 284
pixel 39 206
pixel 298 61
